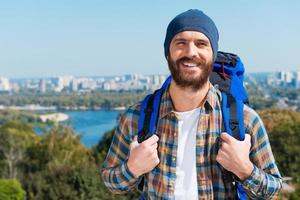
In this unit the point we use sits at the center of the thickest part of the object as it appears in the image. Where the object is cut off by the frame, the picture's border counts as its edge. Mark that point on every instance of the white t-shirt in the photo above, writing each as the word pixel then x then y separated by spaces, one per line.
pixel 186 173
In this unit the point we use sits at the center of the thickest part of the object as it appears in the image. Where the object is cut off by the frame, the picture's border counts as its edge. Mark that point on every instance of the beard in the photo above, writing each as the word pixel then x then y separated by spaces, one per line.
pixel 189 79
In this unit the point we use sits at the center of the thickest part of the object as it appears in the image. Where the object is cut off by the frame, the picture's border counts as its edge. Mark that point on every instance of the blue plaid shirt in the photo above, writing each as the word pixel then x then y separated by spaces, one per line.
pixel 263 183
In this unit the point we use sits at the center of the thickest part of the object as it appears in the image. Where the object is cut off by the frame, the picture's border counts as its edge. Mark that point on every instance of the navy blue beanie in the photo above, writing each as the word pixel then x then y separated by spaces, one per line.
pixel 192 20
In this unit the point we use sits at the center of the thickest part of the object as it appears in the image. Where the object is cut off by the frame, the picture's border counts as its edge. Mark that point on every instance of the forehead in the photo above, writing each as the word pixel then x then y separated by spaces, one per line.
pixel 190 35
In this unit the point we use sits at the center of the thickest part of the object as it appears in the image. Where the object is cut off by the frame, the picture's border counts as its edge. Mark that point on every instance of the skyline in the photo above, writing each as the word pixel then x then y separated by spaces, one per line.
pixel 96 38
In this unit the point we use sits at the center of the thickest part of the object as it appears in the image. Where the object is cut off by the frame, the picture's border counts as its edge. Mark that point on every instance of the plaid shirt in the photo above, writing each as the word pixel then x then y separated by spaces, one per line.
pixel 263 183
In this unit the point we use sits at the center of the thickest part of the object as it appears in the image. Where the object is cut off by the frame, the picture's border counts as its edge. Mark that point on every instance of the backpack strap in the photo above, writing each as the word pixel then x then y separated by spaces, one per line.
pixel 149 112
pixel 228 75
pixel 148 119
pixel 229 106
pixel 145 117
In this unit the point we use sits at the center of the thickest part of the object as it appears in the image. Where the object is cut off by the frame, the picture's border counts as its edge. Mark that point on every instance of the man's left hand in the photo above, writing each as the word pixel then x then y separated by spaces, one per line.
pixel 233 155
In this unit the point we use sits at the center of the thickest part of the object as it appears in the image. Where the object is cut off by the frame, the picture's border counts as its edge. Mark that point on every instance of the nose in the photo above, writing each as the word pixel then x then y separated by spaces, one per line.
pixel 191 50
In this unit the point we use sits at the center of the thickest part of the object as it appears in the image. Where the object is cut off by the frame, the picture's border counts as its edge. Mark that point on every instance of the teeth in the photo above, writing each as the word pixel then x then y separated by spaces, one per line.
pixel 190 64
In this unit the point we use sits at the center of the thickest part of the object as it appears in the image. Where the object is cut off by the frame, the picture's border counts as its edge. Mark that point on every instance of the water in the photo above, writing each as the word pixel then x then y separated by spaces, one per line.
pixel 92 124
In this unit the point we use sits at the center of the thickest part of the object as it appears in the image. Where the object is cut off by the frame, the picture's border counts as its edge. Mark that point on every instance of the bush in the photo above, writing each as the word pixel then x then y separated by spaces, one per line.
pixel 11 189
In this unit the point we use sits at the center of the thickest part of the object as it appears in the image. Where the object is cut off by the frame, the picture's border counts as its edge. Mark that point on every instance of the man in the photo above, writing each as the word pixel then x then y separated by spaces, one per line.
pixel 183 160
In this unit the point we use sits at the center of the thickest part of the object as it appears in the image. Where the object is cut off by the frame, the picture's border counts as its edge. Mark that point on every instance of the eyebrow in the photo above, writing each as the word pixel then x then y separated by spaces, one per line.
pixel 197 40
pixel 179 39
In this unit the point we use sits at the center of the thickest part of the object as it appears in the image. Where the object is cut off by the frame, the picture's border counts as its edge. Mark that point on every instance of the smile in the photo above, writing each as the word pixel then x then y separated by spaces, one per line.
pixel 189 64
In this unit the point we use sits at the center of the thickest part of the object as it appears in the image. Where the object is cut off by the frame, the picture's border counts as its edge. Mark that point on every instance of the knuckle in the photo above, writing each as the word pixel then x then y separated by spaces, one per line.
pixel 157 161
pixel 154 155
pixel 143 145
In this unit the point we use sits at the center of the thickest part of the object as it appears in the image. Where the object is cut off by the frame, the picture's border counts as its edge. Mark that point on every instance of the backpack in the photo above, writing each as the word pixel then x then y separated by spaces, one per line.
pixel 227 76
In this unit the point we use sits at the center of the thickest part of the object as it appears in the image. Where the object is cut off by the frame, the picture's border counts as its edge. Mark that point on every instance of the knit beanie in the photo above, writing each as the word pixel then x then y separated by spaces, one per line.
pixel 192 20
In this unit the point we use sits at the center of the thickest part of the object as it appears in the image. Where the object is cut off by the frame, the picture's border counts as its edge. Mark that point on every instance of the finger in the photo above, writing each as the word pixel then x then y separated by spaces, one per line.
pixel 248 139
pixel 152 140
pixel 222 155
pixel 155 145
pixel 226 137
pixel 225 147
pixel 134 142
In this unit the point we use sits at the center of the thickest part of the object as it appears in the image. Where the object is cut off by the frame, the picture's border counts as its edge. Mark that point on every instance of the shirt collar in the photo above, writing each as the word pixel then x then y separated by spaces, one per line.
pixel 166 104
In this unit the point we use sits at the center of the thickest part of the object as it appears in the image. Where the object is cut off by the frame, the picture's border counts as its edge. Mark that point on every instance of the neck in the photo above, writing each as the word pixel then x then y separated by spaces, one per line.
pixel 186 99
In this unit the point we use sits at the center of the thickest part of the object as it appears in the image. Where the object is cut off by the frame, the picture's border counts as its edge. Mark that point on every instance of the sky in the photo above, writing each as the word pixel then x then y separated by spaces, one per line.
pixel 40 38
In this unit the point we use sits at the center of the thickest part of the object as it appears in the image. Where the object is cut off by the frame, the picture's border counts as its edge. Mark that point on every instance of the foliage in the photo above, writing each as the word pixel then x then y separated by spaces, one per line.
pixel 100 150
pixel 64 100
pixel 59 167
pixel 11 189
pixel 8 115
pixel 274 117
pixel 15 137
pixel 56 165
pixel 260 102
pixel 284 129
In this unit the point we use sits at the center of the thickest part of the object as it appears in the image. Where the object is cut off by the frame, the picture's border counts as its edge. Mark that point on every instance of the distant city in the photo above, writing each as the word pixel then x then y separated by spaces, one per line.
pixel 82 84
pixel 126 82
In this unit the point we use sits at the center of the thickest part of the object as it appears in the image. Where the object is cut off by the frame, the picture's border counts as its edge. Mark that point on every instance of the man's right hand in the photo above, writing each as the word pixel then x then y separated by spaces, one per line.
pixel 143 156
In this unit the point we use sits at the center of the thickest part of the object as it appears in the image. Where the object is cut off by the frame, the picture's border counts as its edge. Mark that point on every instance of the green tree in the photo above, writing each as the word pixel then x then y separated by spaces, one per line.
pixel 59 167
pixel 11 190
pixel 285 140
pixel 284 128
pixel 15 137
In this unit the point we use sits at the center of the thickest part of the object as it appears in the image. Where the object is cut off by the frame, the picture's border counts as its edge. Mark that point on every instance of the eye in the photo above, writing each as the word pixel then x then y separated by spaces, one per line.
pixel 180 43
pixel 201 44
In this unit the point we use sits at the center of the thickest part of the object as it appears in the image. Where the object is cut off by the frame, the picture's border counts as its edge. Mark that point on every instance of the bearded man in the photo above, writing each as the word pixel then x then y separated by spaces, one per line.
pixel 182 161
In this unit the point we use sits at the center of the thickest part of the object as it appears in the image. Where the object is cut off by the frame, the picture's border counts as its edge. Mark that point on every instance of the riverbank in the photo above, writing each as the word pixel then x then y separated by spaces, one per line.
pixel 54 117
pixel 36 107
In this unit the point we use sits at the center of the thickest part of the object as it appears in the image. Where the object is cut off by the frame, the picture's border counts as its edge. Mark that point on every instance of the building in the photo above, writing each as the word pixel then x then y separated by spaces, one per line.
pixel 42 86
pixel 297 79
pixel 4 84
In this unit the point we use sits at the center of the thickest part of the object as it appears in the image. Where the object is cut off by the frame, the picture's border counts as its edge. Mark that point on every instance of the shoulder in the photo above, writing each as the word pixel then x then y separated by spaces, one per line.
pixel 132 111
pixel 253 122
pixel 128 121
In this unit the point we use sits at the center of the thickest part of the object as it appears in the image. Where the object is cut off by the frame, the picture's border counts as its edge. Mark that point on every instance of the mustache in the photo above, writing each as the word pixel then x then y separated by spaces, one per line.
pixel 187 59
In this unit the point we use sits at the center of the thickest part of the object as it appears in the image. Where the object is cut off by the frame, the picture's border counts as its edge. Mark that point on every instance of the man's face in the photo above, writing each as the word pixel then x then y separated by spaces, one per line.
pixel 190 59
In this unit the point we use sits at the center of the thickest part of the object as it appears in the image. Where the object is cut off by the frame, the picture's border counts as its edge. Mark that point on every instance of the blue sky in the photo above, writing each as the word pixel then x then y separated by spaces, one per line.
pixel 40 38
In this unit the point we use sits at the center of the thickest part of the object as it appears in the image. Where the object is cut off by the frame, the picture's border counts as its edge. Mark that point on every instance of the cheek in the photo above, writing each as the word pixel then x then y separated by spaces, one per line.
pixel 207 57
pixel 210 56
pixel 175 55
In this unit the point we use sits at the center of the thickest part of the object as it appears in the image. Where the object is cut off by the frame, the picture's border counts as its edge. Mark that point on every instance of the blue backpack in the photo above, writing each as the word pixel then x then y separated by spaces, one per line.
pixel 227 75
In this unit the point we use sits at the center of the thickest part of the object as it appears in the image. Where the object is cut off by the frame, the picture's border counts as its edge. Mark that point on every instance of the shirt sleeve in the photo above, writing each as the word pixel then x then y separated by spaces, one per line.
pixel 115 173
pixel 265 180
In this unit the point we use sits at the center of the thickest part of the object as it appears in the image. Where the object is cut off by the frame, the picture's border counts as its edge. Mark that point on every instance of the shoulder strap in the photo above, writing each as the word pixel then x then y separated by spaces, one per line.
pixel 148 119
pixel 228 74
pixel 149 112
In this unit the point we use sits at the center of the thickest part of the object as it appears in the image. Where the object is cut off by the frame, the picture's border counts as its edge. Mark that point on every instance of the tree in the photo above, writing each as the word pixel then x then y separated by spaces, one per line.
pixel 59 167
pixel 11 190
pixel 284 133
pixel 285 140
pixel 15 137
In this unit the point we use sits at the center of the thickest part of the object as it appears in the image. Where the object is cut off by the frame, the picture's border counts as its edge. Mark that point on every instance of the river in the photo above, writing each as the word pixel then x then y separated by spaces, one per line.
pixel 92 124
